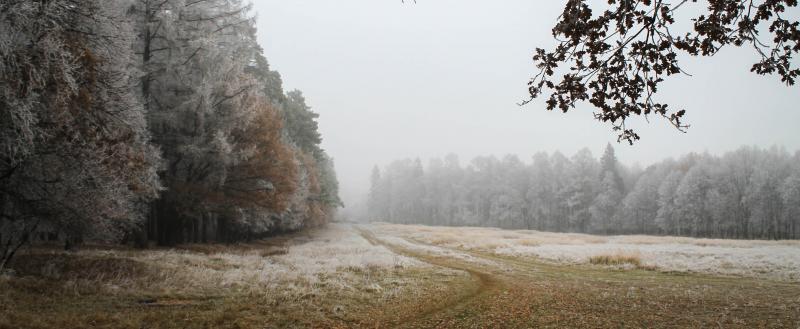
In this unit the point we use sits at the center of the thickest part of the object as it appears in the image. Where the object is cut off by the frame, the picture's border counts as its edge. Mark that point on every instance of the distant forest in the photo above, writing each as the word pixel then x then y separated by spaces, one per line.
pixel 150 121
pixel 750 193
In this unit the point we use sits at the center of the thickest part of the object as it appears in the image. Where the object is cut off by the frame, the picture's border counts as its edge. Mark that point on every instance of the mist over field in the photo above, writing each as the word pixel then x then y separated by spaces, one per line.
pixel 399 164
pixel 440 77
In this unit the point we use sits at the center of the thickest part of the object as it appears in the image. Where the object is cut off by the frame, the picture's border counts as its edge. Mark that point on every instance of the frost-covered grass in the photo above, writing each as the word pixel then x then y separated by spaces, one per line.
pixel 323 278
pixel 343 277
pixel 333 255
pixel 435 250
pixel 778 260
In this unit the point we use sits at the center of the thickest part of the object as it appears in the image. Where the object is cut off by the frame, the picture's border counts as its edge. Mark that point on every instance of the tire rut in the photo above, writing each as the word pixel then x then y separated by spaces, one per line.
pixel 487 283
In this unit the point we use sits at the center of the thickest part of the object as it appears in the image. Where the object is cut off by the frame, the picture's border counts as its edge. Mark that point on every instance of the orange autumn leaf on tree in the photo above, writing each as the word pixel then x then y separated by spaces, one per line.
pixel 266 177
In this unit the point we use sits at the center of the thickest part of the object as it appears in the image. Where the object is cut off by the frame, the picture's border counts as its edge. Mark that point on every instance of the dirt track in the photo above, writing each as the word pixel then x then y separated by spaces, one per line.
pixel 524 293
pixel 486 284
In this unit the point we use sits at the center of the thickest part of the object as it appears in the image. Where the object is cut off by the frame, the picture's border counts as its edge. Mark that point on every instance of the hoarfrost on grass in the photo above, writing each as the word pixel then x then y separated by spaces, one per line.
pixel 778 260
pixel 433 249
pixel 335 257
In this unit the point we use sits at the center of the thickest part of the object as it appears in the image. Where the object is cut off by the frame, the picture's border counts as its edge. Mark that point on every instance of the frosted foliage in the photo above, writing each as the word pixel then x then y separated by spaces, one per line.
pixel 228 147
pixel 73 138
pixel 196 90
pixel 744 194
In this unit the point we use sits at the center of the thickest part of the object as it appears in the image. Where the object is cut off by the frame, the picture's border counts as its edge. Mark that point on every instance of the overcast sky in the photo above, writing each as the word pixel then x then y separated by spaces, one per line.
pixel 393 80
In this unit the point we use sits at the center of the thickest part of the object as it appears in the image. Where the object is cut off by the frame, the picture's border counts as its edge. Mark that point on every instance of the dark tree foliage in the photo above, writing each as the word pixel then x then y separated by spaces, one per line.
pixel 301 123
pixel 617 59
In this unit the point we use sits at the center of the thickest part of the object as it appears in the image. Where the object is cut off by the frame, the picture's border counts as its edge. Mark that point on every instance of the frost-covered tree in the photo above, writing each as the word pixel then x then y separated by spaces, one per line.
pixel 75 156
pixel 301 124
pixel 375 204
pixel 747 193
pixel 194 55
pixel 264 180
pixel 541 192
pixel 640 205
pixel 738 169
pixel 452 202
pixel 690 202
pixel 560 179
pixel 581 190
pixel 763 193
pixel 86 86
pixel 302 130
pixel 329 182
pixel 790 195
pixel 610 166
pixel 239 152
pixel 509 208
pixel 606 205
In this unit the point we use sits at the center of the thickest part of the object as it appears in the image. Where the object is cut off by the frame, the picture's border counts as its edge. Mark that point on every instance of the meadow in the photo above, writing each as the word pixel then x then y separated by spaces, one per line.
pixel 387 275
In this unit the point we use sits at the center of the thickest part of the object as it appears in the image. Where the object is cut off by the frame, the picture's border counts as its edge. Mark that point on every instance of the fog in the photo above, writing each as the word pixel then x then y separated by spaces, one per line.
pixel 393 80
pixel 372 168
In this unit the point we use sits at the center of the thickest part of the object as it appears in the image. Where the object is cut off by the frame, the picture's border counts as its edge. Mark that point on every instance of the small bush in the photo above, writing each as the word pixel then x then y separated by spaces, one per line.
pixel 617 259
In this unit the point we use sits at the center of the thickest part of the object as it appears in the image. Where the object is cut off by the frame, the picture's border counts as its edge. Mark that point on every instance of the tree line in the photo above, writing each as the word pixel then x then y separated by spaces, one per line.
pixel 150 120
pixel 750 193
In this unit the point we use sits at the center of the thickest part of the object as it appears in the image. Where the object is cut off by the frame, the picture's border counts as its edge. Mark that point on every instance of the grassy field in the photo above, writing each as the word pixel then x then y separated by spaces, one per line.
pixel 410 277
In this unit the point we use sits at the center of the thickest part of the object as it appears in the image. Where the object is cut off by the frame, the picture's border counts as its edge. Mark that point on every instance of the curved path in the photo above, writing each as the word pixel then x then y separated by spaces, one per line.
pixel 486 283
pixel 526 293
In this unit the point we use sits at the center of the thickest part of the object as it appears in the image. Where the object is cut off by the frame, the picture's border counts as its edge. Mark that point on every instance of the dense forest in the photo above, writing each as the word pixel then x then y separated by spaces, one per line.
pixel 750 193
pixel 150 121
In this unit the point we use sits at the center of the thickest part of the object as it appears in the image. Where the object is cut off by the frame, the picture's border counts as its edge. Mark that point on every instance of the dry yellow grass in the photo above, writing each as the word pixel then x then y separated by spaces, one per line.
pixel 616 259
